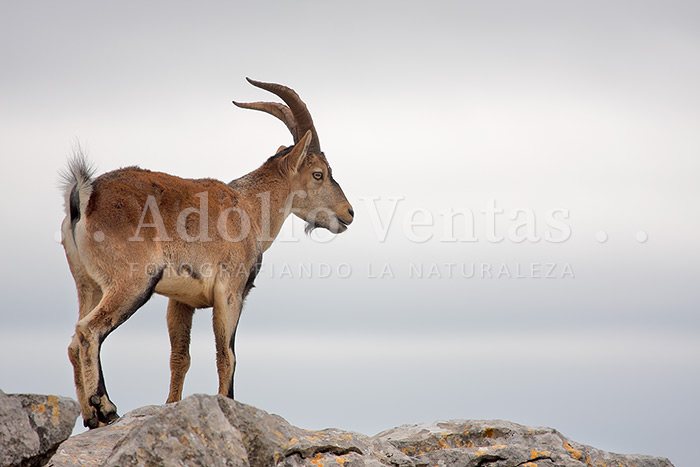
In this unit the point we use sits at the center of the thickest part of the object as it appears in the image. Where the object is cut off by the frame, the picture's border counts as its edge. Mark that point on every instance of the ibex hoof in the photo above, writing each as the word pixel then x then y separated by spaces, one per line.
pixel 91 422
pixel 104 412
pixel 100 420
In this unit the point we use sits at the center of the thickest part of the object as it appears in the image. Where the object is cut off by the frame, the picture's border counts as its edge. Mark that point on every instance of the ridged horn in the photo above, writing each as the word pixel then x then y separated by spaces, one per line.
pixel 278 110
pixel 299 113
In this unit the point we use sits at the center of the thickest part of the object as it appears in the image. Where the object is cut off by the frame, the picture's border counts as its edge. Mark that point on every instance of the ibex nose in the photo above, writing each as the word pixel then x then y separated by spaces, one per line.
pixel 351 212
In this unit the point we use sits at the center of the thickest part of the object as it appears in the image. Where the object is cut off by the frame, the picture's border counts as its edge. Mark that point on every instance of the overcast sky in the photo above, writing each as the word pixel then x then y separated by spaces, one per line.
pixel 577 120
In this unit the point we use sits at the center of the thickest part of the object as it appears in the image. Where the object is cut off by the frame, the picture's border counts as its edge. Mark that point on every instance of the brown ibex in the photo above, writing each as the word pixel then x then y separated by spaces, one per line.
pixel 130 233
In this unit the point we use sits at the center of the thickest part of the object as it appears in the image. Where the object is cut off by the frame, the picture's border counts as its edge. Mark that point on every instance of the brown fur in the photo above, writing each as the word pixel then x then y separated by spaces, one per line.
pixel 118 263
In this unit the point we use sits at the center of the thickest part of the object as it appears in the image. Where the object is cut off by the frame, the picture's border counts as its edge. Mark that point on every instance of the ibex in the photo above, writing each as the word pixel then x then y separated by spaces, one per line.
pixel 131 233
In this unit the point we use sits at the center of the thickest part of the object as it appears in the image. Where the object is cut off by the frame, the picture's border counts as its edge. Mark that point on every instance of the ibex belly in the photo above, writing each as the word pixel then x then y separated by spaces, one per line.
pixel 186 287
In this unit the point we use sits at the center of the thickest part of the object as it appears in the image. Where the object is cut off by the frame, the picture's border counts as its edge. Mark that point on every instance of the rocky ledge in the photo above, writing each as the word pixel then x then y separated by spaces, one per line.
pixel 216 431
pixel 32 427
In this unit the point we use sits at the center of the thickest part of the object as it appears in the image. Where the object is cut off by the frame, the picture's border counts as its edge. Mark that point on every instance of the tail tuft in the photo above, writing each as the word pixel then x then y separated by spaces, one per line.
pixel 76 184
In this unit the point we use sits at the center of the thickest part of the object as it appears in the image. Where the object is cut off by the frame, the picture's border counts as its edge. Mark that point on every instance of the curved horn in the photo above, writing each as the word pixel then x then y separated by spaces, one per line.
pixel 302 117
pixel 278 110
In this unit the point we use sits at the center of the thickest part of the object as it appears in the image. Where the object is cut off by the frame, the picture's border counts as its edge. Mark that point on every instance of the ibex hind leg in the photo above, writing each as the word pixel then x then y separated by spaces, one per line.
pixel 88 298
pixel 117 305
pixel 89 295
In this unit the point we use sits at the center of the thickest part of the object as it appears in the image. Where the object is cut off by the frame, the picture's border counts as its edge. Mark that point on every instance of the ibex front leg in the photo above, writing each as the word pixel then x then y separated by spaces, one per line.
pixel 179 328
pixel 227 311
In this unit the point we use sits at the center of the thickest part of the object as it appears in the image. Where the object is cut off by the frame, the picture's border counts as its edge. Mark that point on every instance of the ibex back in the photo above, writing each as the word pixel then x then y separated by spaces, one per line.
pixel 132 232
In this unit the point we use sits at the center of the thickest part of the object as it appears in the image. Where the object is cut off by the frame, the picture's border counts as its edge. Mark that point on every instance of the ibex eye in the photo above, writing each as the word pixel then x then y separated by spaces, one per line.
pixel 318 175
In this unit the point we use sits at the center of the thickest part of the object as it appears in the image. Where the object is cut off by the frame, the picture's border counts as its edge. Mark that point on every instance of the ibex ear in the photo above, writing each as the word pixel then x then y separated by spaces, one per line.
pixel 296 157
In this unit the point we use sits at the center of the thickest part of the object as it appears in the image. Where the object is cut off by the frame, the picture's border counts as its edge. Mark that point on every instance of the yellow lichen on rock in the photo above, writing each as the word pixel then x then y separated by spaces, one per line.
pixel 51 402
pixel 575 453
pixel 38 408
pixel 317 460
pixel 56 411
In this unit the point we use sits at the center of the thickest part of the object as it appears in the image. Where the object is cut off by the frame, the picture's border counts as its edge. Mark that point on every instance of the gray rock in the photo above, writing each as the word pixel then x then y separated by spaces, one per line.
pixel 214 430
pixel 32 427
pixel 273 441
pixel 499 443
pixel 193 432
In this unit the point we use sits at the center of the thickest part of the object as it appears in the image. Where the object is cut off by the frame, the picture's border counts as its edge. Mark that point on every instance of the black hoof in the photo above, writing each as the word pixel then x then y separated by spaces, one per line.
pixel 106 411
pixel 101 420
pixel 91 423
pixel 109 417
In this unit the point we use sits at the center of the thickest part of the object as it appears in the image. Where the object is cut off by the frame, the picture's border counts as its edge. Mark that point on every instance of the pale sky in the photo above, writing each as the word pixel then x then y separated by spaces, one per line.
pixel 585 108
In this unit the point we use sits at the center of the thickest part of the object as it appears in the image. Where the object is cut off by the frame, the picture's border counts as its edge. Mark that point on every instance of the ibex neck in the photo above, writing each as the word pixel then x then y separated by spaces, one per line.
pixel 266 191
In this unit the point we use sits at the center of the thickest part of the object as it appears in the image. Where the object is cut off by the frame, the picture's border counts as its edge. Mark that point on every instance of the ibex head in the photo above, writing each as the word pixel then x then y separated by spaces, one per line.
pixel 318 199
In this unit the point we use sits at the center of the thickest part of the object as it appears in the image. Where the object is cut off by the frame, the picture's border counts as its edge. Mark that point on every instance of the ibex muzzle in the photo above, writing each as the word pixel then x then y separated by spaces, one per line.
pixel 131 233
